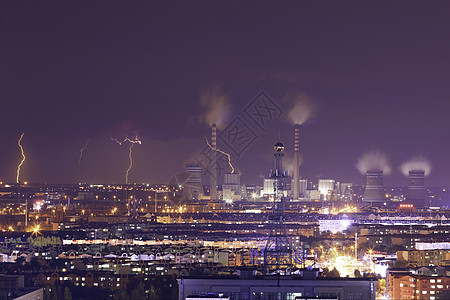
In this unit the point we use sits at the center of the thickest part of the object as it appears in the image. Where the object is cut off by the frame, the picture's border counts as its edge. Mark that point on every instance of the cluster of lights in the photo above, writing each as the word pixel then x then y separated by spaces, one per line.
pixel 181 209
pixel 345 263
pixel 9 228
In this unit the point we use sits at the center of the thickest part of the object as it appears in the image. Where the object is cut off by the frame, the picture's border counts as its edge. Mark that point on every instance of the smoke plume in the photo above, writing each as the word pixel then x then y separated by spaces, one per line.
pixel 215 103
pixel 288 163
pixel 416 163
pixel 302 109
pixel 374 161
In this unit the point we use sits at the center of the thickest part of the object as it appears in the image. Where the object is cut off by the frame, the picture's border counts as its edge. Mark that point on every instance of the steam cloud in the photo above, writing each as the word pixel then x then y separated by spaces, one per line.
pixel 288 163
pixel 302 108
pixel 416 163
pixel 215 102
pixel 373 161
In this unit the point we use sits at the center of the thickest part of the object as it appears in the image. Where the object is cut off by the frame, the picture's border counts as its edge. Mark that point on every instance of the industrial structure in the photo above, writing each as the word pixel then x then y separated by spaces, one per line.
pixel 416 189
pixel 193 184
pixel 374 190
pixel 278 250
pixel 213 180
pixel 296 182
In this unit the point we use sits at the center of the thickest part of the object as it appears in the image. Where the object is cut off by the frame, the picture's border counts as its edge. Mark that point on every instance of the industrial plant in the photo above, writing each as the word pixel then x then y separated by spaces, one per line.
pixel 220 150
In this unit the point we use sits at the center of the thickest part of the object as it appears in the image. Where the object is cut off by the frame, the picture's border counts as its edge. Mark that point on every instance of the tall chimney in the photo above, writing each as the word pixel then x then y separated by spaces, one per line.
pixel 26 213
pixel 374 192
pixel 416 189
pixel 213 183
pixel 296 162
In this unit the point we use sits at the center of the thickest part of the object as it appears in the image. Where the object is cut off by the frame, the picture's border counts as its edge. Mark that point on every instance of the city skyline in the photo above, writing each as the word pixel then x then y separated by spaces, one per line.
pixel 69 74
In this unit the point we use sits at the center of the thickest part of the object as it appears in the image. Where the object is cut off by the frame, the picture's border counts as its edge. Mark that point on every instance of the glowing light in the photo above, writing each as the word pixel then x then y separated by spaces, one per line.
pixel 381 269
pixel 81 153
pixel 37 206
pixel 224 153
pixel 130 155
pixel 36 230
pixel 23 158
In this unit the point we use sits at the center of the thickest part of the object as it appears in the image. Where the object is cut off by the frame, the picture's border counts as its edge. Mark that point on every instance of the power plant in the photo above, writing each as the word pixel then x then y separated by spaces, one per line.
pixel 374 190
pixel 416 189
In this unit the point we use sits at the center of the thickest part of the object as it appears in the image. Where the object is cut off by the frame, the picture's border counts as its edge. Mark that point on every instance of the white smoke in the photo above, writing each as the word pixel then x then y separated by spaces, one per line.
pixel 416 163
pixel 216 105
pixel 302 108
pixel 288 163
pixel 374 161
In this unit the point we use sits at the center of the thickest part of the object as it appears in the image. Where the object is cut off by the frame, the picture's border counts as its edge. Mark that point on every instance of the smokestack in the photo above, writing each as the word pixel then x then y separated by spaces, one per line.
pixel 296 161
pixel 213 183
pixel 26 213
pixel 416 189
pixel 374 191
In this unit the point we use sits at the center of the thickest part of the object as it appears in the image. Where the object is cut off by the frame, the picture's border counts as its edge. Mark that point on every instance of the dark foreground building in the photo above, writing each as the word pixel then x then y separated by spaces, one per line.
pixel 306 285
pixel 12 287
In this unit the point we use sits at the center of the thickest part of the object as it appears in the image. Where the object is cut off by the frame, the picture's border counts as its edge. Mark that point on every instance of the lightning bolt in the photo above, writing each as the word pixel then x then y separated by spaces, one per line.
pixel 224 153
pixel 130 154
pixel 131 162
pixel 81 153
pixel 135 141
pixel 23 158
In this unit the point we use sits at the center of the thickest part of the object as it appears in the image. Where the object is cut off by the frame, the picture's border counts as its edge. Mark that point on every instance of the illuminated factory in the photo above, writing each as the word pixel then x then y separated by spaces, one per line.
pixel 278 279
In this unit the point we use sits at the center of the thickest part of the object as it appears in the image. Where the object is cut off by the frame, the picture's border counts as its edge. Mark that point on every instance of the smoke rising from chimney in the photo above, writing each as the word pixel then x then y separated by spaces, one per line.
pixel 416 163
pixel 216 105
pixel 302 108
pixel 373 161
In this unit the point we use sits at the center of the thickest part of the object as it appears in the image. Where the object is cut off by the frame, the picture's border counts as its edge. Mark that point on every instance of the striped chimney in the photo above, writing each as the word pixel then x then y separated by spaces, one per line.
pixel 296 161
pixel 213 183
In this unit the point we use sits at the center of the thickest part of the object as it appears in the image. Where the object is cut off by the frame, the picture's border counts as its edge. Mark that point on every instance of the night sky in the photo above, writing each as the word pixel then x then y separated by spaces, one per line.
pixel 377 72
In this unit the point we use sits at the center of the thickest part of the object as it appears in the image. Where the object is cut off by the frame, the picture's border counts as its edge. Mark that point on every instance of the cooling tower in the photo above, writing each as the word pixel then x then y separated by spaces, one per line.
pixel 296 161
pixel 374 192
pixel 193 184
pixel 416 189
pixel 213 182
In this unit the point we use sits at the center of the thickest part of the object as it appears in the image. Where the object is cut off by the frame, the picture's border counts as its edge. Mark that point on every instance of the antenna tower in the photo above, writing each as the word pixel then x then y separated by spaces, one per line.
pixel 278 250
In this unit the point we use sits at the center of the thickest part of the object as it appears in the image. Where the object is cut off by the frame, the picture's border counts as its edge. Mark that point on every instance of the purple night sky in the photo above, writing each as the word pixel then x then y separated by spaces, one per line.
pixel 378 73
